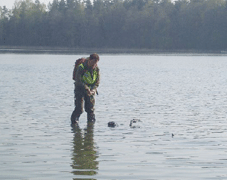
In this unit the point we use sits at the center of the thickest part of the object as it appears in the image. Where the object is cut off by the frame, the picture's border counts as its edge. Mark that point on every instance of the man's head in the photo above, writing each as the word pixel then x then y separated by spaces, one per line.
pixel 94 56
pixel 93 60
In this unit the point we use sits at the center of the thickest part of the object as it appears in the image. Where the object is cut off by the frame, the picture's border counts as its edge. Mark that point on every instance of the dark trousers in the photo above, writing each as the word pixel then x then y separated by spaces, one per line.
pixel 82 99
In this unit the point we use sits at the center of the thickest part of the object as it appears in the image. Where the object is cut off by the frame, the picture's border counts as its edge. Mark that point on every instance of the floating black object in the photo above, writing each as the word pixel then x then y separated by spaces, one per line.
pixel 112 124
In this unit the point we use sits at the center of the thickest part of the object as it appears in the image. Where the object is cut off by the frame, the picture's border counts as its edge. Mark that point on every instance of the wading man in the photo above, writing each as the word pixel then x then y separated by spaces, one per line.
pixel 86 77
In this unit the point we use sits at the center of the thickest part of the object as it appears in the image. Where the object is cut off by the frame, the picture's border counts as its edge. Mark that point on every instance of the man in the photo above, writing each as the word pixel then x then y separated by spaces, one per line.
pixel 86 83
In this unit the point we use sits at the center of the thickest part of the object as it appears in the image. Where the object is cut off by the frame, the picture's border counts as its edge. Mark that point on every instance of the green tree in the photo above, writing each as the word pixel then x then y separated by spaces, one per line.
pixel 4 18
pixel 155 24
pixel 112 25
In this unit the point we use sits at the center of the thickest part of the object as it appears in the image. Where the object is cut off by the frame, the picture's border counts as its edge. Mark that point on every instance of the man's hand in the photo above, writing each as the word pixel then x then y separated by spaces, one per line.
pixel 91 92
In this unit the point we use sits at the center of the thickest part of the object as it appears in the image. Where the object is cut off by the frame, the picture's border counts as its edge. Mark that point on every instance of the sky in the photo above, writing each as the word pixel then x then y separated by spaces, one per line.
pixel 9 3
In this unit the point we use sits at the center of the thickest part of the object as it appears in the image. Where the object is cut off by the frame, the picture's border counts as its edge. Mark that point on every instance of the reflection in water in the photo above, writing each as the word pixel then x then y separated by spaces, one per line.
pixel 84 154
pixel 181 95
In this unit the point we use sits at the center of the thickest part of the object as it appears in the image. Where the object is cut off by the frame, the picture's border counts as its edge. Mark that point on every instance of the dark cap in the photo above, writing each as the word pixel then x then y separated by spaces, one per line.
pixel 94 56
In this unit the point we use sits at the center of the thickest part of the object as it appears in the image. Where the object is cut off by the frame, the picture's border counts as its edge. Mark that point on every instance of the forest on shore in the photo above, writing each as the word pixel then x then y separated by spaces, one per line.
pixel 135 24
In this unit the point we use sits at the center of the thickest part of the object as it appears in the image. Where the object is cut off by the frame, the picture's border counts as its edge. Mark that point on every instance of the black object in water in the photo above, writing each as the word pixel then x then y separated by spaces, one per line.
pixel 112 124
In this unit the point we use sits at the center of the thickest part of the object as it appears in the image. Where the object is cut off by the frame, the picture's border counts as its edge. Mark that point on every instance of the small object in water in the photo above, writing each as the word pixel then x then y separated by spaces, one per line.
pixel 172 135
pixel 112 124
pixel 134 121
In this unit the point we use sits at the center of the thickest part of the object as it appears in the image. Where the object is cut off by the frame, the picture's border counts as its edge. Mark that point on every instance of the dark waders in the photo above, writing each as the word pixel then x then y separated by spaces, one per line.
pixel 81 98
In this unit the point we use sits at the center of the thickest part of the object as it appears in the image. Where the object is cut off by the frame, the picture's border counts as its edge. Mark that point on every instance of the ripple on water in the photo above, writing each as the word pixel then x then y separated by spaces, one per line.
pixel 181 101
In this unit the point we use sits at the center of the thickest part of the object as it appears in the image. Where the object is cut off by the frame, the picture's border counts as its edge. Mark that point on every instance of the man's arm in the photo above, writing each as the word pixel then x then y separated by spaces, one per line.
pixel 78 79
pixel 96 85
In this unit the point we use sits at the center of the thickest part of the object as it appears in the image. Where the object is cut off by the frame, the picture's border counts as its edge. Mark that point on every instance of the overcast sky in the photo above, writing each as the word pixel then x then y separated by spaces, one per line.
pixel 9 3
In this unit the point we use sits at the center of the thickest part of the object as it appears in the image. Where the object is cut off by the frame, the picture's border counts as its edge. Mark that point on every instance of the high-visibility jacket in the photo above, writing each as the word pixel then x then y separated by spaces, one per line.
pixel 87 78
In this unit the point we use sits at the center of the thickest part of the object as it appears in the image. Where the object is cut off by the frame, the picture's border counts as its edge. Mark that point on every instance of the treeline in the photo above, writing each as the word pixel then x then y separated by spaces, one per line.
pixel 152 24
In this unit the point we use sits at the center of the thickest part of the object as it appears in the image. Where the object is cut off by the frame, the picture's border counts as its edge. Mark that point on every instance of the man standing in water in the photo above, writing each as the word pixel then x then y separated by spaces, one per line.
pixel 86 83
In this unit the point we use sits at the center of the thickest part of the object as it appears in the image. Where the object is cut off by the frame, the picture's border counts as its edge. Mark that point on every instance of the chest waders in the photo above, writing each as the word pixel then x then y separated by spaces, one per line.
pixel 89 79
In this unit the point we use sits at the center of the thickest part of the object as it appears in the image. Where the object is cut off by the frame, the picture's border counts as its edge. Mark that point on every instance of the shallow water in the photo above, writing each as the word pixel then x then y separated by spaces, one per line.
pixel 180 100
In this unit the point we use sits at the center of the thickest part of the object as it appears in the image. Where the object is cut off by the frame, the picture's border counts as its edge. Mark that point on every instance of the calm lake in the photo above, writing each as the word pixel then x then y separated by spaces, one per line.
pixel 181 102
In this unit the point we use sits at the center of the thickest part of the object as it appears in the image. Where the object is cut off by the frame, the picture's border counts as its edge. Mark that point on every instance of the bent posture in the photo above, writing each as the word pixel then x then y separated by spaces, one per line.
pixel 86 77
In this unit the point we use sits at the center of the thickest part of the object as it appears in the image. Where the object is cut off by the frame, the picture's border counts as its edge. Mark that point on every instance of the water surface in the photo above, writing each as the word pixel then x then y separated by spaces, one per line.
pixel 181 101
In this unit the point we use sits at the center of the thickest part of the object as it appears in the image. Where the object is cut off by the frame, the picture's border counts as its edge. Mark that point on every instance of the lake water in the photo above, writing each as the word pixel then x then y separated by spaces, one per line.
pixel 181 102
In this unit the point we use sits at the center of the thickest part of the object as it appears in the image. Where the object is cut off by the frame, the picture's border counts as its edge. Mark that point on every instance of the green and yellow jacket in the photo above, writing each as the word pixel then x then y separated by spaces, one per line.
pixel 86 77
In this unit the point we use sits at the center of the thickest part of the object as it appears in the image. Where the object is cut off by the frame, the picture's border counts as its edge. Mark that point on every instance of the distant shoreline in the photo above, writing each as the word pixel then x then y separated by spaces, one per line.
pixel 65 50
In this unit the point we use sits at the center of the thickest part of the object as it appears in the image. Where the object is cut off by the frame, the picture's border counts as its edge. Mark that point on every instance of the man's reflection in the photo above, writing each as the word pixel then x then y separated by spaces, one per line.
pixel 84 151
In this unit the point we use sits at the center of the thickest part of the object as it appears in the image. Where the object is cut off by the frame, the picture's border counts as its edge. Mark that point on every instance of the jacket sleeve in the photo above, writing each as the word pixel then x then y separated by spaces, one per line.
pixel 78 79
pixel 96 85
